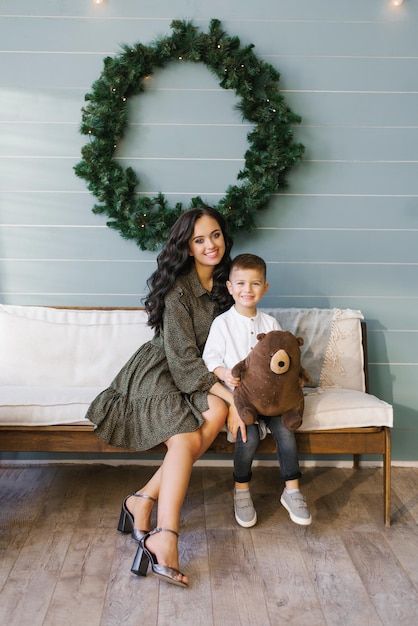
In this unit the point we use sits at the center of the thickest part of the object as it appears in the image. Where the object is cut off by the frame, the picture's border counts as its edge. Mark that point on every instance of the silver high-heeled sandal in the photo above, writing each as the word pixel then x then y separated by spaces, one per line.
pixel 144 557
pixel 126 519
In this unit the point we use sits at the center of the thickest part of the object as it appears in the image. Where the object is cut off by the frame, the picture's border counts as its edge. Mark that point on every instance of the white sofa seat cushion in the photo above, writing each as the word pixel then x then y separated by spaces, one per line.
pixel 45 406
pixel 331 408
pixel 324 409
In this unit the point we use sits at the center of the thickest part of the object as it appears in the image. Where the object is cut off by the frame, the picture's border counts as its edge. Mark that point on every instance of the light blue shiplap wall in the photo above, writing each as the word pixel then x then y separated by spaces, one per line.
pixel 345 233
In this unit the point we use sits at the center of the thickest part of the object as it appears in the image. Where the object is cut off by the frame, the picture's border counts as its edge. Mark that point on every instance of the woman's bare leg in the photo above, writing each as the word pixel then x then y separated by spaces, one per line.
pixel 215 418
pixel 174 473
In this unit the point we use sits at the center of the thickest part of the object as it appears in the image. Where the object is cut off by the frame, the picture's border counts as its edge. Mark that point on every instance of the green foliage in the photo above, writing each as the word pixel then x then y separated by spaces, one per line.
pixel 270 155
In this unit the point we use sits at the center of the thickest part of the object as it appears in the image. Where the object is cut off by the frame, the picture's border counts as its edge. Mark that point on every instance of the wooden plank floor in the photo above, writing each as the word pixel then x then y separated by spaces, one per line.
pixel 63 563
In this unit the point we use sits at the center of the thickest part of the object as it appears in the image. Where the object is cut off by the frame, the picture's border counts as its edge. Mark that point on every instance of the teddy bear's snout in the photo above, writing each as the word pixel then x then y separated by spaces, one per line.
pixel 280 362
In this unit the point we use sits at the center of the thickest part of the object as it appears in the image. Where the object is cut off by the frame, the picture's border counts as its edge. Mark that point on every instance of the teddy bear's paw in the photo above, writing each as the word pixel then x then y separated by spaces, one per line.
pixel 248 416
pixel 291 420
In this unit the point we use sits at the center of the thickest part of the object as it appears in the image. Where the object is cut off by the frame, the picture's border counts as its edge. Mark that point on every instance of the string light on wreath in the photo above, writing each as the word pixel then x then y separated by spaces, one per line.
pixel 271 152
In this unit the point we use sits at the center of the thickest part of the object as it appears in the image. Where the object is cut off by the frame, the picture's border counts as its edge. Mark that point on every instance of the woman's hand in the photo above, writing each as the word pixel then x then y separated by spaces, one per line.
pixel 233 420
pixel 234 423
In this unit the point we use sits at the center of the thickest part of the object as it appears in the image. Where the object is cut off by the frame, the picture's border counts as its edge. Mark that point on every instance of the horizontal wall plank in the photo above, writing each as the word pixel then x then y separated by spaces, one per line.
pixel 395 346
pixel 397 385
pixel 359 143
pixel 26 242
pixel 345 74
pixel 74 277
pixel 380 312
pixel 286 279
pixel 197 141
pixel 40 174
pixel 49 207
pixel 333 108
pixel 283 211
pixel 318 109
pixel 208 177
pixel 391 313
pixel 159 106
pixel 226 140
pixel 355 178
pixel 290 246
pixel 337 280
pixel 339 246
pixel 40 140
pixel 79 70
pixel 355 109
pixel 327 39
pixel 53 174
pixel 69 35
pixel 45 106
pixel 323 10
pixel 293 210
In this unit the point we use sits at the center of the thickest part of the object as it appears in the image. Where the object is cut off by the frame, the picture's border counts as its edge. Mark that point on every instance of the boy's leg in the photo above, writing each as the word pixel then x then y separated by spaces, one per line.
pixel 287 455
pixel 245 514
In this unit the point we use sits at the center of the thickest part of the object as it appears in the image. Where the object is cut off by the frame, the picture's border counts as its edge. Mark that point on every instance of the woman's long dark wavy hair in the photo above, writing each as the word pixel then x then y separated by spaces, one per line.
pixel 175 260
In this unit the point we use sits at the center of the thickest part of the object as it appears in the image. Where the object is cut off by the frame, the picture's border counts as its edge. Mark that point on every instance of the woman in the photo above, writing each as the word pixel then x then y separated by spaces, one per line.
pixel 165 393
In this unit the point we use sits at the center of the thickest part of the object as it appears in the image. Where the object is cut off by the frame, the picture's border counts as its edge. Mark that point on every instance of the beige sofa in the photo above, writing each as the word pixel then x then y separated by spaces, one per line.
pixel 54 361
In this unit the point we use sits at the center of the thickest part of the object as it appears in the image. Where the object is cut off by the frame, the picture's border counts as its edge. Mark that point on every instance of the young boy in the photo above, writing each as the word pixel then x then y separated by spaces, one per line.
pixel 232 335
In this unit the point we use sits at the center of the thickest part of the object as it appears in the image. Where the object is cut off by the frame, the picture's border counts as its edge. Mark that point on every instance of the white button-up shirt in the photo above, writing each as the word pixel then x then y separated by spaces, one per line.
pixel 232 336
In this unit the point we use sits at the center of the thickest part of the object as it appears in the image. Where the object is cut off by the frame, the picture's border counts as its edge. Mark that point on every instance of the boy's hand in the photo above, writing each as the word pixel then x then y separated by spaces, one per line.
pixel 224 374
pixel 230 380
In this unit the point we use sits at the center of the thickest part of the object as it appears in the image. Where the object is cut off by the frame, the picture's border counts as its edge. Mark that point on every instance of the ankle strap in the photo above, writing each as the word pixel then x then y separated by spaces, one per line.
pixel 163 530
pixel 144 495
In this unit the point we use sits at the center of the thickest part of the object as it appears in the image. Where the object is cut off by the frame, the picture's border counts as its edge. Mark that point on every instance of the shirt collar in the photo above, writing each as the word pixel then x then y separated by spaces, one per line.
pixel 191 279
pixel 195 284
pixel 244 317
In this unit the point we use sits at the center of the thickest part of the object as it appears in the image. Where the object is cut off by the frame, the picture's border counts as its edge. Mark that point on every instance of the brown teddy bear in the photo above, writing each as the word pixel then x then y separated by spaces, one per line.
pixel 270 380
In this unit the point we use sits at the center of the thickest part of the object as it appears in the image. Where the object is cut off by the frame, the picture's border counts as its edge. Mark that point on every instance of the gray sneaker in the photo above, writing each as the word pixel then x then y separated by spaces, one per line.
pixel 245 513
pixel 295 505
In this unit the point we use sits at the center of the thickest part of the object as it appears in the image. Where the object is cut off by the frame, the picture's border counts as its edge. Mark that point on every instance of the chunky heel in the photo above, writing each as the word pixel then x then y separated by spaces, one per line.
pixel 126 519
pixel 144 557
pixel 141 562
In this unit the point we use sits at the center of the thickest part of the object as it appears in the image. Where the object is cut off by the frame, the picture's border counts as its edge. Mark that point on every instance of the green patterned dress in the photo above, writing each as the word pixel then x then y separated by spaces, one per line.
pixel 162 390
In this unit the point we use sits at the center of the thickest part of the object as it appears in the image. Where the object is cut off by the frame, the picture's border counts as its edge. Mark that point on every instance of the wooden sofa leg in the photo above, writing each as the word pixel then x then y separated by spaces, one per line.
pixel 356 461
pixel 387 478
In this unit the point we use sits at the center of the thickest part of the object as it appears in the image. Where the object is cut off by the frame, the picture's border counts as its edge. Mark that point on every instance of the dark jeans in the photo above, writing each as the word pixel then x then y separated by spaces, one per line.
pixel 287 453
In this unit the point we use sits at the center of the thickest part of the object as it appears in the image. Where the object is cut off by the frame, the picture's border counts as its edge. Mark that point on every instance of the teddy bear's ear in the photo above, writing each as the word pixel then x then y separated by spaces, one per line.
pixel 300 340
pixel 261 336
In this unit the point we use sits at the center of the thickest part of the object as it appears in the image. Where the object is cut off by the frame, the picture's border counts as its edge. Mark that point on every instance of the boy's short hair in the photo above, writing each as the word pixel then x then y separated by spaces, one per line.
pixel 249 262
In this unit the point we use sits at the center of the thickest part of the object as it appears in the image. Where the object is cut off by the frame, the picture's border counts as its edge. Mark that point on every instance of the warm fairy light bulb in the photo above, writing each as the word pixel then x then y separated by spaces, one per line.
pixel 397 3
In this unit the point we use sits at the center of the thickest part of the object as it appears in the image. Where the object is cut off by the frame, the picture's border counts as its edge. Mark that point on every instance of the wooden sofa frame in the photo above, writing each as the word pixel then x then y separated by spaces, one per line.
pixel 80 438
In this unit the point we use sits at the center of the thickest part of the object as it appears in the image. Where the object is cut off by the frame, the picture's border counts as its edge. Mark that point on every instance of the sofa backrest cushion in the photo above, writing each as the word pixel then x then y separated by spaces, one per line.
pixel 43 346
pixel 332 351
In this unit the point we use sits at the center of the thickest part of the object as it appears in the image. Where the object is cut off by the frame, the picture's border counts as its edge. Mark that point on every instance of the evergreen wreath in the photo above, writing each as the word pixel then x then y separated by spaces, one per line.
pixel 271 153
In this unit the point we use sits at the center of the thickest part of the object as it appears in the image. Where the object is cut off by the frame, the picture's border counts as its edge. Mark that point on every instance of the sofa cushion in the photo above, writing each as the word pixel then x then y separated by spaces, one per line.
pixel 331 408
pixel 324 409
pixel 45 406
pixel 332 351
pixel 42 346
